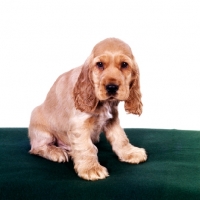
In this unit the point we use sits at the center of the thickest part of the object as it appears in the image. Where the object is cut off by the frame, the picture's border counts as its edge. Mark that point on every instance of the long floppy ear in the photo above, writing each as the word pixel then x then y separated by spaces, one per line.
pixel 84 95
pixel 134 104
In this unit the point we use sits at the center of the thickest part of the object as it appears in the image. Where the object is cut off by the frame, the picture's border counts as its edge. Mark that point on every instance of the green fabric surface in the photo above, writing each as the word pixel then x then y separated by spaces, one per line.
pixel 172 170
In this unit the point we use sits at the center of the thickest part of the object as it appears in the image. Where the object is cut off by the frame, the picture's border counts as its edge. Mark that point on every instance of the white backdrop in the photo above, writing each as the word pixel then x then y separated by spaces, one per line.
pixel 39 40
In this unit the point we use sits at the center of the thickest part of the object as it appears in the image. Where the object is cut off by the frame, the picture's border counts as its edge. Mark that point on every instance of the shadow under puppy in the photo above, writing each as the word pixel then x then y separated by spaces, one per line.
pixel 82 103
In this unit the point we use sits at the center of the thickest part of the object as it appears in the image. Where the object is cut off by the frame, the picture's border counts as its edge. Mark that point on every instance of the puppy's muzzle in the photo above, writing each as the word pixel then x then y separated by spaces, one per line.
pixel 112 89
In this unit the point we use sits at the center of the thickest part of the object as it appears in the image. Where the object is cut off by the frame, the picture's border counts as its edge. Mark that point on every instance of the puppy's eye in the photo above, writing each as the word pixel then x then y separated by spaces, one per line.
pixel 124 65
pixel 100 65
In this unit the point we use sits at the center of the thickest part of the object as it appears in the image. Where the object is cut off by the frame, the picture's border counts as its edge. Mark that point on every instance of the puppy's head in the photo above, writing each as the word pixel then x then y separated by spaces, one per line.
pixel 109 74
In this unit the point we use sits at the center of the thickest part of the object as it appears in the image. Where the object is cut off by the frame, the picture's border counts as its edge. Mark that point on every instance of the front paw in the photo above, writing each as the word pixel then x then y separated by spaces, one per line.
pixel 92 173
pixel 133 155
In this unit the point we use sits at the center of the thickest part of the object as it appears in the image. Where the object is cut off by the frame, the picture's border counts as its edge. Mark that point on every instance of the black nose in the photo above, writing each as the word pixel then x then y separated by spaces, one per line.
pixel 112 88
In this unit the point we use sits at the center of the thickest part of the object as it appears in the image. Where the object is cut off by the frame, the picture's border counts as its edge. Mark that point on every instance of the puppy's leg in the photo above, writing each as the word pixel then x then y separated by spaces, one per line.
pixel 84 155
pixel 42 144
pixel 121 146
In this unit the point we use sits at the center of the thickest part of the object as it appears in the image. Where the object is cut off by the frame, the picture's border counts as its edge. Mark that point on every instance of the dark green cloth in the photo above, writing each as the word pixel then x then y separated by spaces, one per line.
pixel 172 170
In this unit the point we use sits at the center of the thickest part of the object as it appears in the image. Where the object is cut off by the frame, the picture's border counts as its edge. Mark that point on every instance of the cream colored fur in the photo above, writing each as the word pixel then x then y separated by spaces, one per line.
pixel 78 108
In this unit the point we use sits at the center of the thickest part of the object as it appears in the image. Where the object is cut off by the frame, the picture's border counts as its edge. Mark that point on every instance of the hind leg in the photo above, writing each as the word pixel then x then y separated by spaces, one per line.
pixel 43 144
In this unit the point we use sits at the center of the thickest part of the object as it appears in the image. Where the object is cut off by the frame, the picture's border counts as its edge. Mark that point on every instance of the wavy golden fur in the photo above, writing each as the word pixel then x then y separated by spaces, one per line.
pixel 82 103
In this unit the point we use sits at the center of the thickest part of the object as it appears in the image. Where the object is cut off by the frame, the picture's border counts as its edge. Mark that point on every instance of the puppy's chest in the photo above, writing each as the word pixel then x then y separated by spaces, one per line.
pixel 103 116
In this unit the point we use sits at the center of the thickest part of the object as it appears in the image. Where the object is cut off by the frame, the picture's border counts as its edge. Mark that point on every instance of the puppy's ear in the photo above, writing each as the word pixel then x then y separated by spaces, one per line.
pixel 84 94
pixel 134 104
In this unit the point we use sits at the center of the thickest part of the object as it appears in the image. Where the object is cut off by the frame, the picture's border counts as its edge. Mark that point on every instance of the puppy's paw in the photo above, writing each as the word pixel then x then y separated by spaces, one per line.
pixel 133 155
pixel 52 153
pixel 58 154
pixel 92 173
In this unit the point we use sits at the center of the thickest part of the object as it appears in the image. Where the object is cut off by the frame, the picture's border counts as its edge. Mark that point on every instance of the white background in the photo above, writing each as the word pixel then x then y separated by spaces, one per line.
pixel 39 40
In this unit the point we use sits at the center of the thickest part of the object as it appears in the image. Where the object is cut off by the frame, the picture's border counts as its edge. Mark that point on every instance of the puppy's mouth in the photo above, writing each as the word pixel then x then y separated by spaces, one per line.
pixel 112 91
pixel 112 98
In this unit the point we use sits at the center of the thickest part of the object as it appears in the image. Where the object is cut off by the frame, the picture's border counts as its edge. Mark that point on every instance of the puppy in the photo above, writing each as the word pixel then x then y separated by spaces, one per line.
pixel 82 103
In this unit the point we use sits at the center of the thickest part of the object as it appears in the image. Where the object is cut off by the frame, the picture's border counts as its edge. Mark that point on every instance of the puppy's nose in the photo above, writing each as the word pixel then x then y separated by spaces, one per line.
pixel 112 88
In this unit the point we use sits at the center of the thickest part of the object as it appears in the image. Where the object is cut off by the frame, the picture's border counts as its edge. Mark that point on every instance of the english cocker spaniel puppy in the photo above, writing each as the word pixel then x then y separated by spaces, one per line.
pixel 82 103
